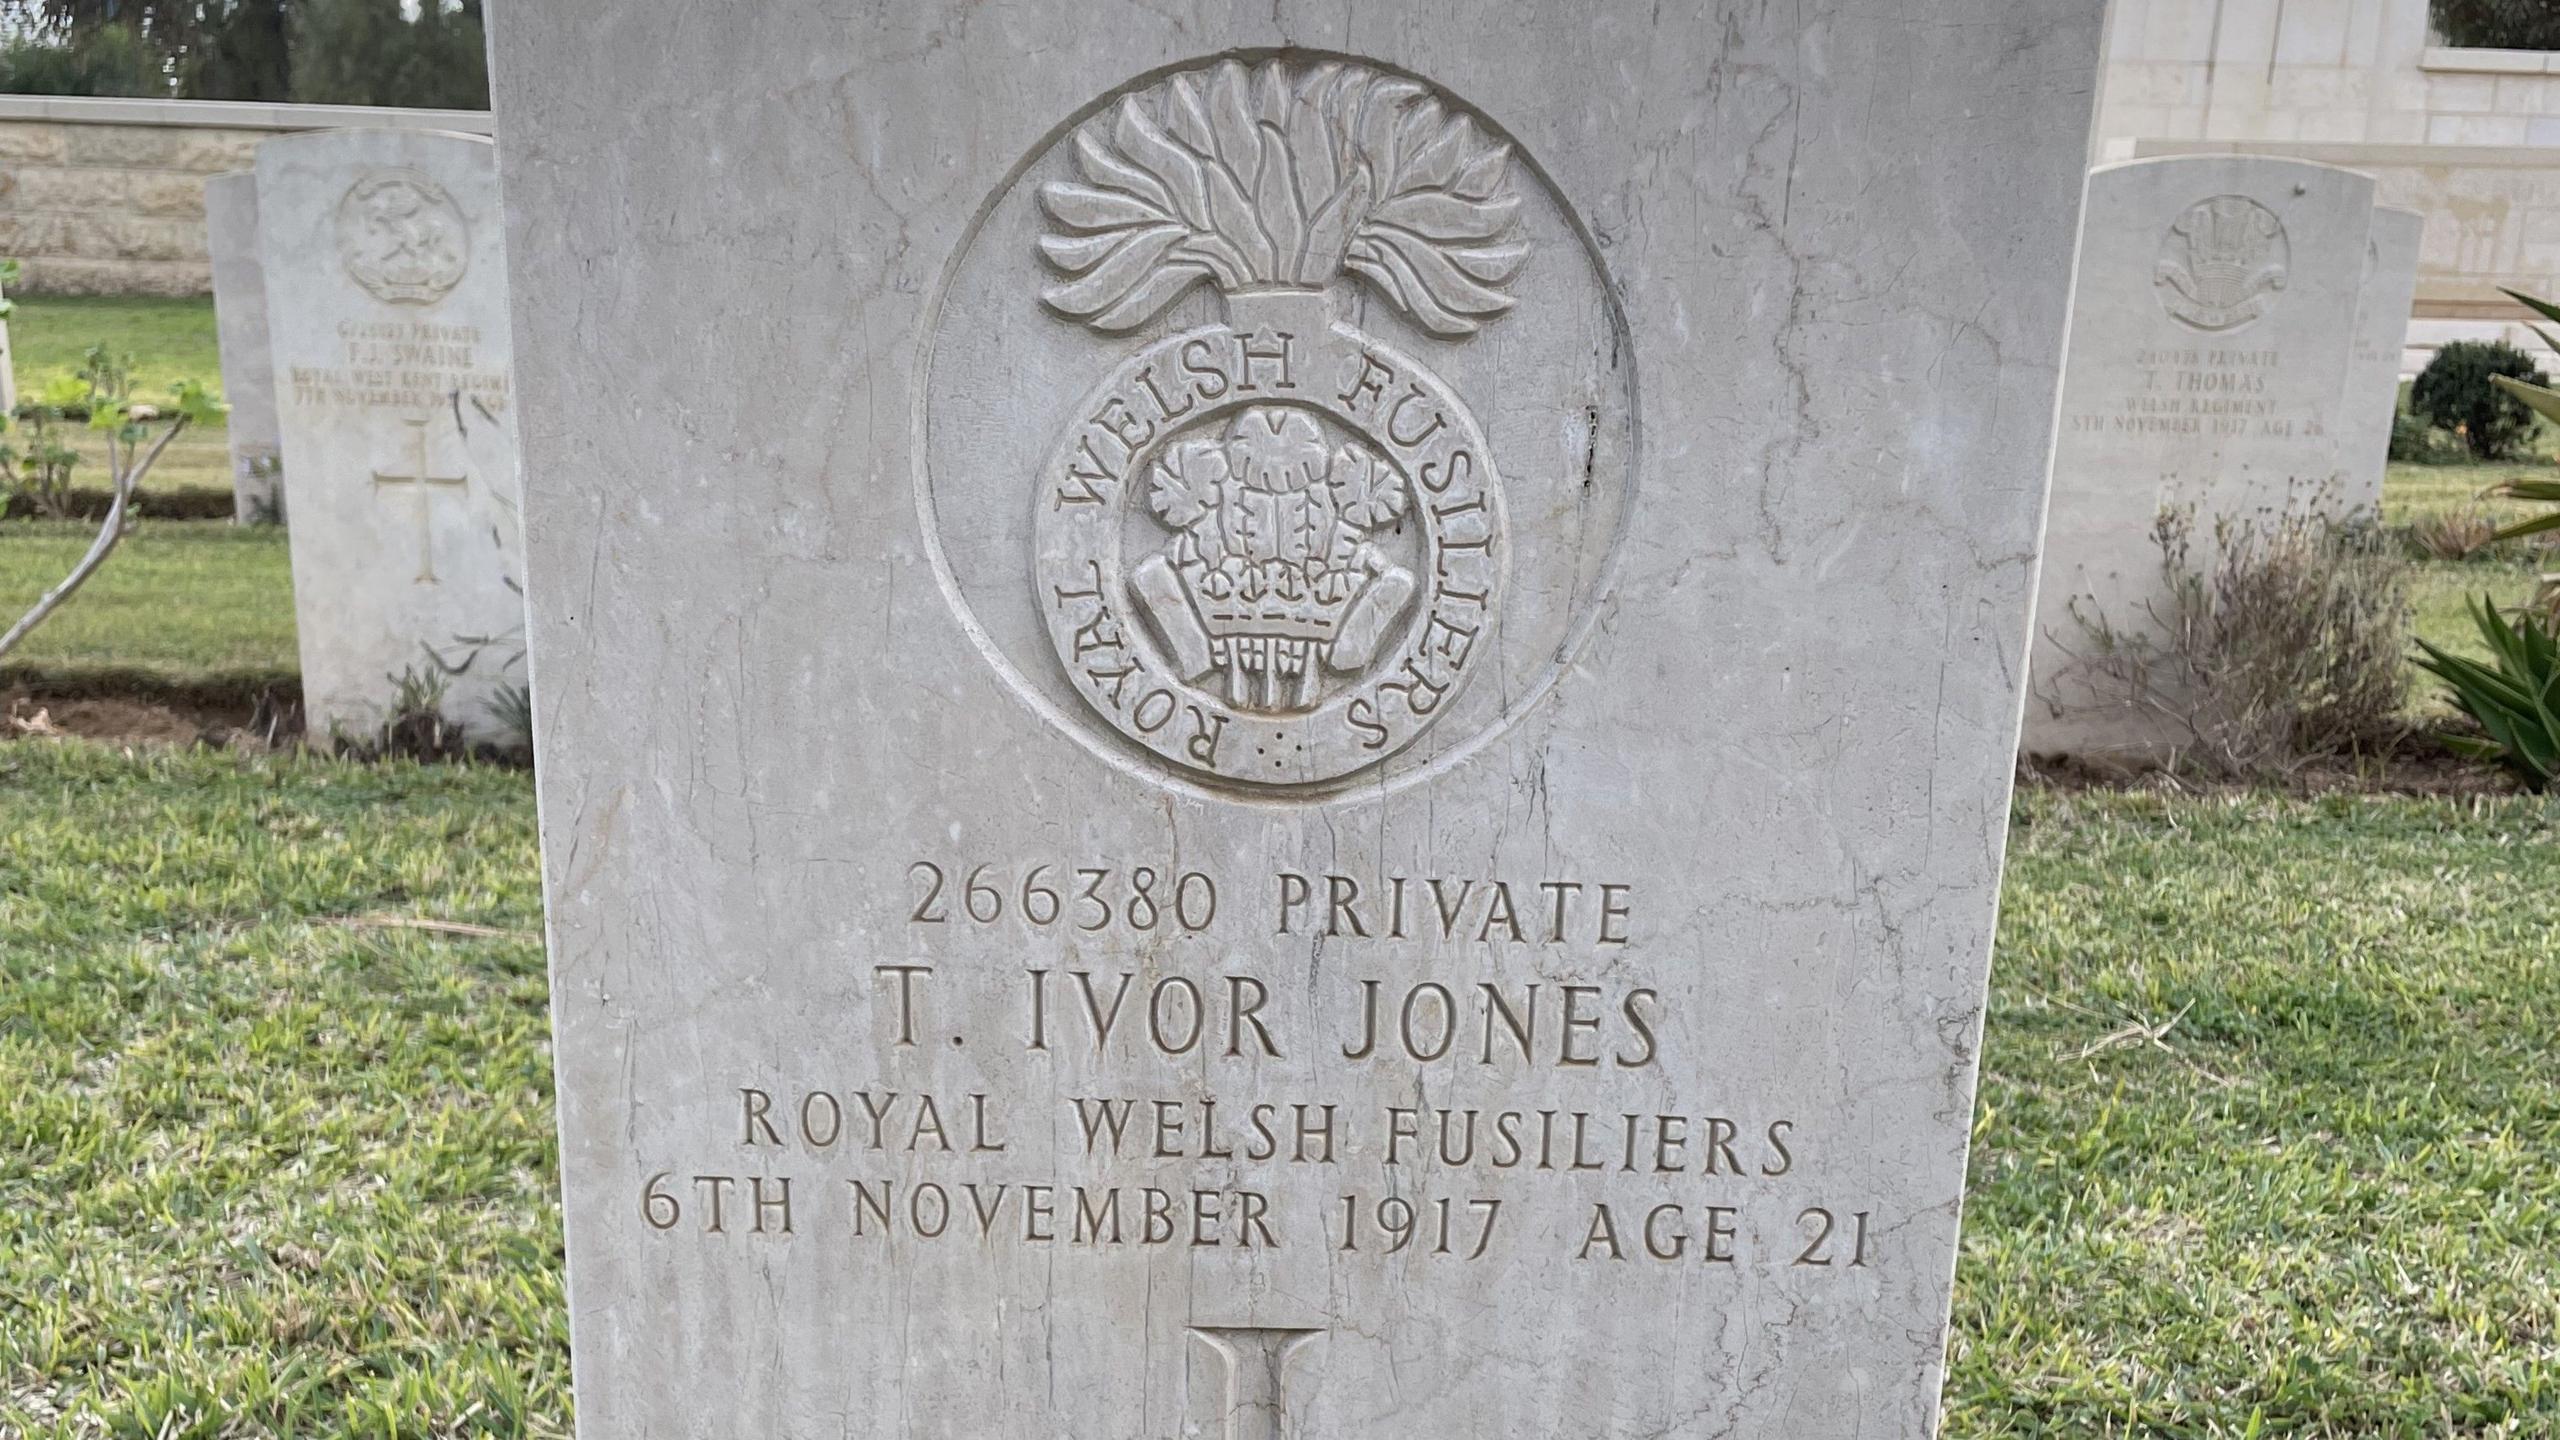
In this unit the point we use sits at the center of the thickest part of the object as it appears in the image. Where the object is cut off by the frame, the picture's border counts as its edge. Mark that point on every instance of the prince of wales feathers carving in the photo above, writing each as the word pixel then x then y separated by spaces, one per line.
pixel 1269 182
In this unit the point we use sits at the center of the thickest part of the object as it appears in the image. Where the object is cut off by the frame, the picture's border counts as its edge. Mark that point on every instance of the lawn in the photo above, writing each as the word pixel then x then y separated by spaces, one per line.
pixel 168 340
pixel 182 603
pixel 2413 494
pixel 264 1171
pixel 2327 1201
pixel 270 1166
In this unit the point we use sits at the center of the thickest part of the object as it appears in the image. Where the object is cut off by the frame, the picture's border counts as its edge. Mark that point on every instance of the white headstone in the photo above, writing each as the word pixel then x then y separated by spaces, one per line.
pixel 8 371
pixel 1288 725
pixel 2373 376
pixel 240 325
pixel 395 397
pixel 2212 321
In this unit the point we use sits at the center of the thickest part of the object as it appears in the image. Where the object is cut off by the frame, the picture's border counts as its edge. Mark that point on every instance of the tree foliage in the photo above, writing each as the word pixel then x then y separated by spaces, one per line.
pixel 342 52
pixel 2499 24
pixel 366 52
pixel 109 60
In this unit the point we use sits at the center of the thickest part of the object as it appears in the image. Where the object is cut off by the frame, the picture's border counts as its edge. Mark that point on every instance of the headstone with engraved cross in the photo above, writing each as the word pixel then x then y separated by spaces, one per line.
pixel 1288 722
pixel 387 324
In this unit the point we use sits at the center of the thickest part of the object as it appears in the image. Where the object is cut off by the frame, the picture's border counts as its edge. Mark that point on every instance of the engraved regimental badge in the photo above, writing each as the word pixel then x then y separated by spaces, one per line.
pixel 2222 263
pixel 1269 548
pixel 401 237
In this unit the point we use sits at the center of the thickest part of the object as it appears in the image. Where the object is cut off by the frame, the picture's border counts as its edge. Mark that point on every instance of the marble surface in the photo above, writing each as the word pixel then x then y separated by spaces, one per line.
pixel 240 328
pixel 395 400
pixel 2373 377
pixel 1278 720
pixel 2212 323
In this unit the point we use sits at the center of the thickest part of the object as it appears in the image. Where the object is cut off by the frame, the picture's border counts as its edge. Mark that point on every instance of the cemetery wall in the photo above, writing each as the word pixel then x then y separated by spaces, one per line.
pixel 2469 138
pixel 2316 71
pixel 106 196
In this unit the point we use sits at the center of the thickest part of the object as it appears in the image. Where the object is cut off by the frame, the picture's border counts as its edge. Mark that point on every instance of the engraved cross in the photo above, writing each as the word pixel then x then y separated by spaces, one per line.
pixel 424 482
pixel 1257 1363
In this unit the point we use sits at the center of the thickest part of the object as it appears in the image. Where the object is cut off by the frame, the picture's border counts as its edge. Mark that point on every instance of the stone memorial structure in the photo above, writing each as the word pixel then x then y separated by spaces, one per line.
pixel 8 368
pixel 394 394
pixel 2212 322
pixel 240 325
pixel 2373 377
pixel 1296 725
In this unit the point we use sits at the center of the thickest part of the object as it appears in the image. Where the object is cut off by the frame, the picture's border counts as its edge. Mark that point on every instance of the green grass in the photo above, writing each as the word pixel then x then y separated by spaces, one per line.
pixel 169 340
pixel 2411 492
pixel 2443 585
pixel 200 602
pixel 2328 1201
pixel 2507 572
pixel 266 1173
pixel 261 1172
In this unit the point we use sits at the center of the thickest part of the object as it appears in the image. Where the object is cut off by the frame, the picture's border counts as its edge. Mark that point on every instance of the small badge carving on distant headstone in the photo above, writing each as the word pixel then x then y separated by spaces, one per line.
pixel 1270 548
pixel 2222 263
pixel 401 237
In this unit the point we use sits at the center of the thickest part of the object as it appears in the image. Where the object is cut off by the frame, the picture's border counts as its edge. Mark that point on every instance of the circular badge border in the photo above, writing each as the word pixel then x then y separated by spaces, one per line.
pixel 1106 743
pixel 441 195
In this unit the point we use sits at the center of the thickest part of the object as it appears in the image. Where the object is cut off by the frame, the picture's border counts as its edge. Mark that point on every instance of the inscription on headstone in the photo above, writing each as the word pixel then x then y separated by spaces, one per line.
pixel 1281 727
pixel 394 391
pixel 2212 327
pixel 240 327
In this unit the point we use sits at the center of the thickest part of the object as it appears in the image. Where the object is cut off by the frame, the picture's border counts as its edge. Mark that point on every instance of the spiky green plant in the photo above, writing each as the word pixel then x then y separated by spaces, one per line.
pixel 2515 699
pixel 2545 402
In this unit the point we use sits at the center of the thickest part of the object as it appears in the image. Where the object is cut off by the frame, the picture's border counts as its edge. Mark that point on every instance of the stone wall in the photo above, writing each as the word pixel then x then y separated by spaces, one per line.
pixel 106 197
pixel 2470 139
pixel 2315 72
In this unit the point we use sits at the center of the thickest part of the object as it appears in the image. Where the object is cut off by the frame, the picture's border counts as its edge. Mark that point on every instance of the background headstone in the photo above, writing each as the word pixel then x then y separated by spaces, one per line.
pixel 395 397
pixel 8 371
pixel 2373 376
pixel 1419 623
pixel 240 324
pixel 2213 318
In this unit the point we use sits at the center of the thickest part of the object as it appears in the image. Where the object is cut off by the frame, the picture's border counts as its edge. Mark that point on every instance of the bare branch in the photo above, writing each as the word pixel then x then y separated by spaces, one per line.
pixel 111 532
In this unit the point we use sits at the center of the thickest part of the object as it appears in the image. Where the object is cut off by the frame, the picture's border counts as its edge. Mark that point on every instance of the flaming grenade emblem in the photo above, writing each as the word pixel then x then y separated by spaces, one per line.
pixel 2221 263
pixel 1270 546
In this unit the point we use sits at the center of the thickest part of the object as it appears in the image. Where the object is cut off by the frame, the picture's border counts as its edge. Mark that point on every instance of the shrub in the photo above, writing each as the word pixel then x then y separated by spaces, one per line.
pixel 2285 650
pixel 413 723
pixel 2514 699
pixel 36 462
pixel 2415 442
pixel 2450 535
pixel 2457 392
